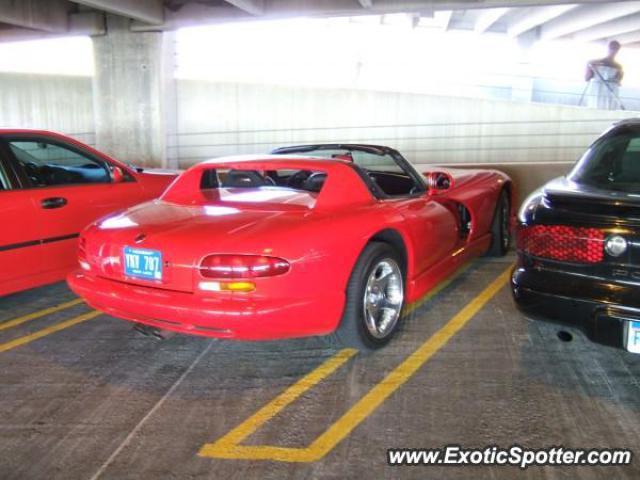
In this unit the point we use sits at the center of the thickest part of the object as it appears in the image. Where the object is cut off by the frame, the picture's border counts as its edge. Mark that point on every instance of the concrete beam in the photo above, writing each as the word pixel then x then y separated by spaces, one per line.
pixel 18 34
pixel 366 3
pixel 334 7
pixel 45 15
pixel 534 17
pixel 587 16
pixel 437 20
pixel 444 17
pixel 87 23
pixel 192 14
pixel 488 17
pixel 610 29
pixel 148 11
pixel 253 7
pixel 628 38
pixel 84 23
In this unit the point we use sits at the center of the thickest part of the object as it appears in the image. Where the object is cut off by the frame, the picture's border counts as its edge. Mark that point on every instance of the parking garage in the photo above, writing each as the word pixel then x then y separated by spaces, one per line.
pixel 132 95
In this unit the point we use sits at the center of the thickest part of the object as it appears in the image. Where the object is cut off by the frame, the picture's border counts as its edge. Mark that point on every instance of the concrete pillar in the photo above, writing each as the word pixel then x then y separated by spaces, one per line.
pixel 523 81
pixel 134 93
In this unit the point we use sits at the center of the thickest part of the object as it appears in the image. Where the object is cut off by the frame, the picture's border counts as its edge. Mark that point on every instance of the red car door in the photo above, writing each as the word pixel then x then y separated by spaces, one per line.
pixel 433 229
pixel 69 188
pixel 20 251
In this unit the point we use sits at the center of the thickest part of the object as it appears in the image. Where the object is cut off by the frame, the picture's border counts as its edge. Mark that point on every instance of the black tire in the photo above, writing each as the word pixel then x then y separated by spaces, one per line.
pixel 352 331
pixel 501 227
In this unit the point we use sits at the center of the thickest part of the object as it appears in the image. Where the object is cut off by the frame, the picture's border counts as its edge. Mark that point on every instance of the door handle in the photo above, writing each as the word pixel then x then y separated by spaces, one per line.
pixel 53 202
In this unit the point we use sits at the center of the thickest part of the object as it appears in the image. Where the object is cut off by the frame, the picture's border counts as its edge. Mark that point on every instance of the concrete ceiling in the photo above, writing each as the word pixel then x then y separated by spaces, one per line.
pixel 587 20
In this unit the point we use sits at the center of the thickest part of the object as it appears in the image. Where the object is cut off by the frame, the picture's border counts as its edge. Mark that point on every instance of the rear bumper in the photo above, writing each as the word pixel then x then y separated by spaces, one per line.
pixel 223 315
pixel 599 308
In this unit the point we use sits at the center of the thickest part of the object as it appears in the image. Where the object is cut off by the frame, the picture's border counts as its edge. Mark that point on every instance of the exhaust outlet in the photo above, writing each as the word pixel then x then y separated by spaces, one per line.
pixel 153 332
pixel 565 336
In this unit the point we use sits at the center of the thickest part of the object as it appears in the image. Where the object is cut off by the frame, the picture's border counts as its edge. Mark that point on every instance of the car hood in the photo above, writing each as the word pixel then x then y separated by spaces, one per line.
pixel 161 171
pixel 461 176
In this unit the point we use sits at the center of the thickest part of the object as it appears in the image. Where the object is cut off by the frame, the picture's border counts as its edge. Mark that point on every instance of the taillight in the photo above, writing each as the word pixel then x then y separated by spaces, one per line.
pixel 242 266
pixel 82 254
pixel 561 242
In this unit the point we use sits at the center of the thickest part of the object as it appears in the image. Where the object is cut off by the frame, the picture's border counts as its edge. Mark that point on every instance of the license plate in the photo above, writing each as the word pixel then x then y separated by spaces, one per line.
pixel 143 263
pixel 633 337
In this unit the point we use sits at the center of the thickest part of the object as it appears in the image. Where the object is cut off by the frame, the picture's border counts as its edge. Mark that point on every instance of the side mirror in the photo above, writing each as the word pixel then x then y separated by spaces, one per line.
pixel 117 175
pixel 438 182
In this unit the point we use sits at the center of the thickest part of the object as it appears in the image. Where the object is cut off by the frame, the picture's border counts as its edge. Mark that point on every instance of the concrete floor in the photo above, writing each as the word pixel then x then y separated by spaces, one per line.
pixel 97 400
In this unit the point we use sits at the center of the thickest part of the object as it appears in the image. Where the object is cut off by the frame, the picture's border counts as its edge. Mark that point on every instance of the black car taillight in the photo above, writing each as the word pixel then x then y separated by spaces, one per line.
pixel 562 242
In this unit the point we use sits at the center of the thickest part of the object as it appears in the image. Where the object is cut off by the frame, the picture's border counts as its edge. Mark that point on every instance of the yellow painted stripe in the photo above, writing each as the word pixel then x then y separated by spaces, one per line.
pixel 48 331
pixel 378 394
pixel 270 410
pixel 40 313
pixel 437 289
pixel 228 446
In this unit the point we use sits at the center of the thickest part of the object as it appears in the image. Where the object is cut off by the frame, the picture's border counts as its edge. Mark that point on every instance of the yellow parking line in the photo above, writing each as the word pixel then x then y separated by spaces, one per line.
pixel 437 289
pixel 48 331
pixel 229 445
pixel 289 395
pixel 40 313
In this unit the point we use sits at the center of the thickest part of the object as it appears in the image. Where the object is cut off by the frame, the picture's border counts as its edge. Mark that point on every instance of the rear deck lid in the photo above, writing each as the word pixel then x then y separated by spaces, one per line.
pixel 592 205
pixel 161 245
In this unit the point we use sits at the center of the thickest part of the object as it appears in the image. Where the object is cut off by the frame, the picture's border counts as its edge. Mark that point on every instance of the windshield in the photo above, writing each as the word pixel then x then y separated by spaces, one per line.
pixel 369 160
pixel 612 164
pixel 386 173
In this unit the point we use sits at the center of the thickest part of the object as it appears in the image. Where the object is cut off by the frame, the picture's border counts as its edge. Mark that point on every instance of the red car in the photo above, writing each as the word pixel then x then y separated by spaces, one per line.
pixel 312 241
pixel 51 187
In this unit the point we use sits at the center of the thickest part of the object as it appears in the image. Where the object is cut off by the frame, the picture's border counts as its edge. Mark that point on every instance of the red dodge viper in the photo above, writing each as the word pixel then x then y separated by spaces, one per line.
pixel 313 240
pixel 51 187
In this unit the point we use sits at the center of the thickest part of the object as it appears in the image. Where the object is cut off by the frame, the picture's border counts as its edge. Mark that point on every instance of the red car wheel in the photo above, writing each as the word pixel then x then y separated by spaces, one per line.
pixel 375 297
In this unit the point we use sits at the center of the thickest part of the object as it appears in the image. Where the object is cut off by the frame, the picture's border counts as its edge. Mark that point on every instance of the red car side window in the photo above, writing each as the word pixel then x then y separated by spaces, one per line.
pixel 49 164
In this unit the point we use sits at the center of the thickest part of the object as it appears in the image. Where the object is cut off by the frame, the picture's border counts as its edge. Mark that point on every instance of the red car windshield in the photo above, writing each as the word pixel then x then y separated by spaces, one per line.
pixel 369 159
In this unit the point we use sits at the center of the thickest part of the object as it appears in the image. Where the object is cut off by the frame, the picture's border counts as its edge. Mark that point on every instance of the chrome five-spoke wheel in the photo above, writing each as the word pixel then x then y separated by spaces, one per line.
pixel 383 298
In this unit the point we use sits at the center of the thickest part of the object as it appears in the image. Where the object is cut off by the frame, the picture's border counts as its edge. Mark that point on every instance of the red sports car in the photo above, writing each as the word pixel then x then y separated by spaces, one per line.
pixel 51 187
pixel 314 240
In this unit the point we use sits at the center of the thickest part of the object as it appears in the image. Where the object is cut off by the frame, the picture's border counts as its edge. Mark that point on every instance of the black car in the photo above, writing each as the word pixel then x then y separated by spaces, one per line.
pixel 578 242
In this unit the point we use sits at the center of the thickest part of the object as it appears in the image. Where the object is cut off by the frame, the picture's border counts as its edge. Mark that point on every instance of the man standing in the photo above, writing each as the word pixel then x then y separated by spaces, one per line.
pixel 604 77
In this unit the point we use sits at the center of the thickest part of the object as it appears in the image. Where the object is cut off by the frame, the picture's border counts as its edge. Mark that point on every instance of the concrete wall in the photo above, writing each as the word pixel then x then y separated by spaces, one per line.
pixel 571 93
pixel 532 142
pixel 222 118
pixel 49 102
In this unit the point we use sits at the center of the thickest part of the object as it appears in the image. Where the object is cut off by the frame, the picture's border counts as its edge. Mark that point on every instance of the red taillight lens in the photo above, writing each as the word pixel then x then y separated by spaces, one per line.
pixel 242 266
pixel 82 245
pixel 561 242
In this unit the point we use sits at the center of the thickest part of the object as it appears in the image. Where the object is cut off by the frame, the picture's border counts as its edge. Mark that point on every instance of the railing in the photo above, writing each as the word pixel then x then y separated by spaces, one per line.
pixel 504 141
